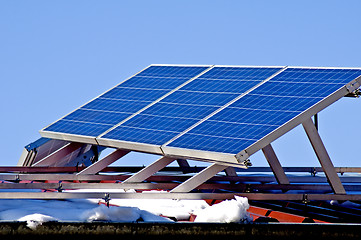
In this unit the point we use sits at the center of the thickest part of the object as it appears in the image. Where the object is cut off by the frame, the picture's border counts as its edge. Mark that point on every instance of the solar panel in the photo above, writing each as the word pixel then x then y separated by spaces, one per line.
pixel 265 109
pixel 189 104
pixel 101 114
pixel 202 112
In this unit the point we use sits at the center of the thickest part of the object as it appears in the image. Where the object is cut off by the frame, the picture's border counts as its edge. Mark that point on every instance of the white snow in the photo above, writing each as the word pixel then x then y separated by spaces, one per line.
pixel 225 212
pixel 35 212
pixel 178 209
pixel 116 214
pixel 36 219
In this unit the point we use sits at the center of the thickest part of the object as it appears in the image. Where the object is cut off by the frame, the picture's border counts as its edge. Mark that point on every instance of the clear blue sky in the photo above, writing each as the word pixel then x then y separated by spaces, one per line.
pixel 57 55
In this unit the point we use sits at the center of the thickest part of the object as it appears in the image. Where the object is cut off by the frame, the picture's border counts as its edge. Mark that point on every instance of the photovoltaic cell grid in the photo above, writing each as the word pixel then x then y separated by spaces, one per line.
pixel 265 109
pixel 127 98
pixel 189 104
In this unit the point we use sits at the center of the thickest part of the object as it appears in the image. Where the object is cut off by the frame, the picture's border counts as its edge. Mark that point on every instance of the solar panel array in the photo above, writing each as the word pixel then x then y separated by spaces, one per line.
pixel 205 108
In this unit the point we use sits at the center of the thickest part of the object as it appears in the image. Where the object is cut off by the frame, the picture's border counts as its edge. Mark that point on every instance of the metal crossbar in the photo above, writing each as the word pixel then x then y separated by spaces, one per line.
pixel 167 195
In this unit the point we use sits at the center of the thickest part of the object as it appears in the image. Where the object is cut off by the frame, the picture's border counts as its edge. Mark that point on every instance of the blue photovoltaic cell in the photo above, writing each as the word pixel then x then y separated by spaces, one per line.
pixel 200 98
pixel 248 116
pixel 190 104
pixel 127 98
pixel 132 134
pixel 299 89
pixel 172 71
pixel 265 109
pixel 273 103
pixel 327 76
pixel 231 130
pixel 92 116
pixel 79 128
pixel 134 94
pixel 115 105
pixel 141 124
pixel 240 73
pixel 222 86
pixel 179 111
pixel 153 82
pixel 159 123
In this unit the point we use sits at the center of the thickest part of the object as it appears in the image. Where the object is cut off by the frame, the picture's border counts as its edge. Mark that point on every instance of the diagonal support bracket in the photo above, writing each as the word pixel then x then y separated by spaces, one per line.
pixel 149 170
pixel 323 157
pixel 103 163
pixel 275 164
pixel 199 178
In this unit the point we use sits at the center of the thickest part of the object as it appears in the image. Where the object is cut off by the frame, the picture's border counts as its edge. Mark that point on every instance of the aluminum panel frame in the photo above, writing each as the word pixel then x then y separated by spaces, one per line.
pixel 132 146
pixel 69 137
pixel 221 158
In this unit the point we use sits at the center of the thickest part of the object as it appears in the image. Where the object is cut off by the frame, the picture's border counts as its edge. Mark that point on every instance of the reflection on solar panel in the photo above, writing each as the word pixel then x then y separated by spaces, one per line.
pixel 204 112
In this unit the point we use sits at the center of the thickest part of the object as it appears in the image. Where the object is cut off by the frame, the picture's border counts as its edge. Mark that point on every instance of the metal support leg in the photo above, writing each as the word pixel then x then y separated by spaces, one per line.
pixel 231 172
pixel 183 164
pixel 149 170
pixel 52 159
pixel 275 165
pixel 103 163
pixel 199 178
pixel 323 157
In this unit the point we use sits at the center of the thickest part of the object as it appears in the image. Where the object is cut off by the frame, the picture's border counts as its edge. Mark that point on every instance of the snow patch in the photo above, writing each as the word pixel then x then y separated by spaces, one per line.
pixel 36 219
pixel 227 211
pixel 178 209
pixel 35 212
pixel 116 214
